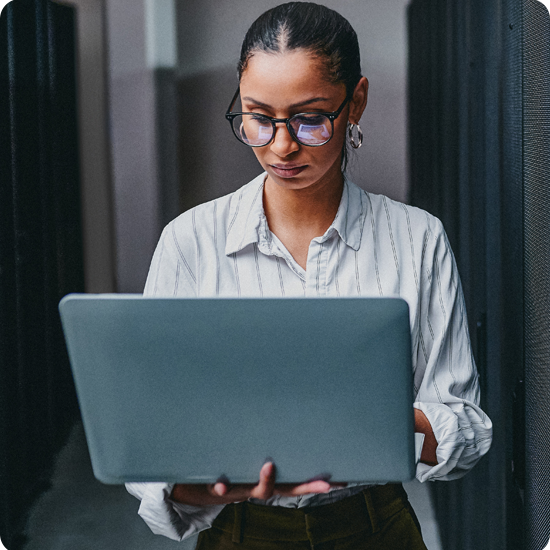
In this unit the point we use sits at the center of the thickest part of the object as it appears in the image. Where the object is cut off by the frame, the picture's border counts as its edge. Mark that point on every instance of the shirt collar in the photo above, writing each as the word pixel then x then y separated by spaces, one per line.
pixel 248 223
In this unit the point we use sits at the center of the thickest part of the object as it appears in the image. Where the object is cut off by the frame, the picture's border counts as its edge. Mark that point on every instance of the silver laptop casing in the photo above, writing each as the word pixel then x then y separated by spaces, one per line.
pixel 185 390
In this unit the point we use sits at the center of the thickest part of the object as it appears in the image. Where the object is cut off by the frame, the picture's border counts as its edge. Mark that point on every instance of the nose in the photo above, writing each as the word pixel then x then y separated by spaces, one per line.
pixel 283 144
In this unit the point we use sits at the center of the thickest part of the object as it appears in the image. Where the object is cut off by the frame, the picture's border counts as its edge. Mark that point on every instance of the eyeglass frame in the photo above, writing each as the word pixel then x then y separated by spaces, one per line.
pixel 332 116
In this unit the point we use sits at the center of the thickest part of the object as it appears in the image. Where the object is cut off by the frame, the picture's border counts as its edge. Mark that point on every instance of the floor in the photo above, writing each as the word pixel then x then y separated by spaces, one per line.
pixel 80 513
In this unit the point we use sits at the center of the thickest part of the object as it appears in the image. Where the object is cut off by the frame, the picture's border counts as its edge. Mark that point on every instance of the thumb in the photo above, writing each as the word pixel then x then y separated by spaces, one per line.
pixel 266 485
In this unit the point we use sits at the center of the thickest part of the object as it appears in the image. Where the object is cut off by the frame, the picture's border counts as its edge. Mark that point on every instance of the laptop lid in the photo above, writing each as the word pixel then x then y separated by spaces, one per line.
pixel 185 390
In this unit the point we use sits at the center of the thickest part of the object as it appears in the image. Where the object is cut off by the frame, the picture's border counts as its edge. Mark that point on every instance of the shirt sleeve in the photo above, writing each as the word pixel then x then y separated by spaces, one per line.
pixel 446 380
pixel 170 518
pixel 171 273
pixel 172 270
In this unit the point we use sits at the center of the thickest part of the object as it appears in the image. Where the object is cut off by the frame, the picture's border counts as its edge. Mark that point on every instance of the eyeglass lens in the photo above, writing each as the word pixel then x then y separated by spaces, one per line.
pixel 257 130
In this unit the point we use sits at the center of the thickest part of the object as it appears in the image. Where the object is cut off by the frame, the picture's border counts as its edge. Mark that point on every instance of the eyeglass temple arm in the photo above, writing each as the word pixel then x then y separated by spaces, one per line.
pixel 336 113
pixel 233 101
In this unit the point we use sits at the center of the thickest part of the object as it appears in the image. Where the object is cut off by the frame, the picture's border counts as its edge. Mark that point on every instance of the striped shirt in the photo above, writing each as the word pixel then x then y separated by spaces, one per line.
pixel 374 247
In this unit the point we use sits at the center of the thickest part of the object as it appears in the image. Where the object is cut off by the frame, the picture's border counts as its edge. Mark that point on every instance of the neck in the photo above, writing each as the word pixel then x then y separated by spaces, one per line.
pixel 311 209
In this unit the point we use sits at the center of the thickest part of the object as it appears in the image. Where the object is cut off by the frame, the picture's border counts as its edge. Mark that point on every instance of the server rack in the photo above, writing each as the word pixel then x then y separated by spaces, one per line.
pixel 479 104
pixel 40 248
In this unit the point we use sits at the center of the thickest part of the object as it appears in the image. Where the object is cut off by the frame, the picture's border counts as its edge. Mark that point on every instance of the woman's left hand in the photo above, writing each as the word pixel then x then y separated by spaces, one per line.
pixel 222 492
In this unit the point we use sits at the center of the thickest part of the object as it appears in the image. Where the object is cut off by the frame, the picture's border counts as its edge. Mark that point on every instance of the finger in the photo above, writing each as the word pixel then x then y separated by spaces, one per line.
pixel 224 493
pixel 220 489
pixel 289 489
pixel 265 486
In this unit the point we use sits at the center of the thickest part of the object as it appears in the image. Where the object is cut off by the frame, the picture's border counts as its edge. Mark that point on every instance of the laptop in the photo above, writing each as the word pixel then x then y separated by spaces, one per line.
pixel 188 389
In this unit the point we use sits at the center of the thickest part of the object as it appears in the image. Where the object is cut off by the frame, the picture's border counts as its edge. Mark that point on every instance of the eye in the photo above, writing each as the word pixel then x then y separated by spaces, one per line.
pixel 256 110
pixel 260 118
pixel 310 119
pixel 311 129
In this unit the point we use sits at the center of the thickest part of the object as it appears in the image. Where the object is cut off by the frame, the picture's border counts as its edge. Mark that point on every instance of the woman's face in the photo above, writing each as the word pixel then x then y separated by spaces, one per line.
pixel 282 85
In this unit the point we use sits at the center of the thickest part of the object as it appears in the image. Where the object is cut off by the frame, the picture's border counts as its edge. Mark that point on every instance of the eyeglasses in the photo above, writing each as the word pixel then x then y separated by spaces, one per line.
pixel 255 130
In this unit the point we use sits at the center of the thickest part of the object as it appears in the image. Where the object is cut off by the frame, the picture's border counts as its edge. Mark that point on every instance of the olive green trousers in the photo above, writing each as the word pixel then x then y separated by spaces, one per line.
pixel 380 517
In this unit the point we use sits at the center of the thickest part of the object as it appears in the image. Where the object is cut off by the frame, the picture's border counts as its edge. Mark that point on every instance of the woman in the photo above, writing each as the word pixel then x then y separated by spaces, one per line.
pixel 303 229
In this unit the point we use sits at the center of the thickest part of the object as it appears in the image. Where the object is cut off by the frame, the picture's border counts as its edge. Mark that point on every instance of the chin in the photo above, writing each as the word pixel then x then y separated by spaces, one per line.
pixel 291 183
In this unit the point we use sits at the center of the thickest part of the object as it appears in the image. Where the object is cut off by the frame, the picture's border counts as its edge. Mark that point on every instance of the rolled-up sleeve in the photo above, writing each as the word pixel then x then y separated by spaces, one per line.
pixel 169 518
pixel 445 374
pixel 171 273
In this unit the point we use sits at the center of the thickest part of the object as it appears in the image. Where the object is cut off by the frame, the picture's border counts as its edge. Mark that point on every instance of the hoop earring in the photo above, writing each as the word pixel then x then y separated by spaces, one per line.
pixel 359 142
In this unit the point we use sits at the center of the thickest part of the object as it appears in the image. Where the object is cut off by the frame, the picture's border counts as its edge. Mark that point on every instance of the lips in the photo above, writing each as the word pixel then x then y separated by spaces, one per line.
pixel 288 170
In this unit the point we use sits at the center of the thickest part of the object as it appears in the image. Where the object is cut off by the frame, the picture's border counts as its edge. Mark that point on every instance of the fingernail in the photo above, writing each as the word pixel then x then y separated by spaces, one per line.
pixel 268 459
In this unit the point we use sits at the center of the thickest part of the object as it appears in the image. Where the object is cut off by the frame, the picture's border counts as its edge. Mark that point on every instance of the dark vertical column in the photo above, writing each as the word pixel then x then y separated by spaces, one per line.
pixel 8 343
pixel 423 112
pixel 447 119
pixel 415 131
pixel 471 146
pixel 65 258
pixel 512 212
pixel 498 379
pixel 23 254
pixel 40 247
pixel 461 47
pixel 536 147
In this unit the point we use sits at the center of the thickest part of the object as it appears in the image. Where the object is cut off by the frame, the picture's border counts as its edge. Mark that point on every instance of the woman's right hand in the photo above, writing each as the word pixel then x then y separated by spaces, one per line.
pixel 222 492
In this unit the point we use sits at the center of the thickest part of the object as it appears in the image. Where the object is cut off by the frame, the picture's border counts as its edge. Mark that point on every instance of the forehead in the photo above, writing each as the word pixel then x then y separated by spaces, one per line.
pixel 284 78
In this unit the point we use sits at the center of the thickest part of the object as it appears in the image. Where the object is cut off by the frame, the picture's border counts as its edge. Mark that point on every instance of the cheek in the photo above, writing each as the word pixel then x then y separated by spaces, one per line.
pixel 334 147
pixel 341 131
pixel 341 136
pixel 260 153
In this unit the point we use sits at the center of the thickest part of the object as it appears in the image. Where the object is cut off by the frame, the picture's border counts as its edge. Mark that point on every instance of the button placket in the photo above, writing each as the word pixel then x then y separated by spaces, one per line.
pixel 316 269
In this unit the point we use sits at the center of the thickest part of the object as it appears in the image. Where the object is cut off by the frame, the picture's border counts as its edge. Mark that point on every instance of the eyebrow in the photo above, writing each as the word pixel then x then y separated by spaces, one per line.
pixel 300 104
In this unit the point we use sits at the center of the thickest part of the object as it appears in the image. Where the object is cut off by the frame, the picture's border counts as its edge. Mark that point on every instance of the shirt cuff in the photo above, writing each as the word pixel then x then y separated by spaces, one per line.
pixel 167 517
pixel 418 445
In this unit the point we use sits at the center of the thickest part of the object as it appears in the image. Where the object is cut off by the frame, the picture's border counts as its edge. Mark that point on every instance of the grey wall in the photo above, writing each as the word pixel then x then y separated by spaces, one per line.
pixel 212 162
pixel 142 108
pixel 132 127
